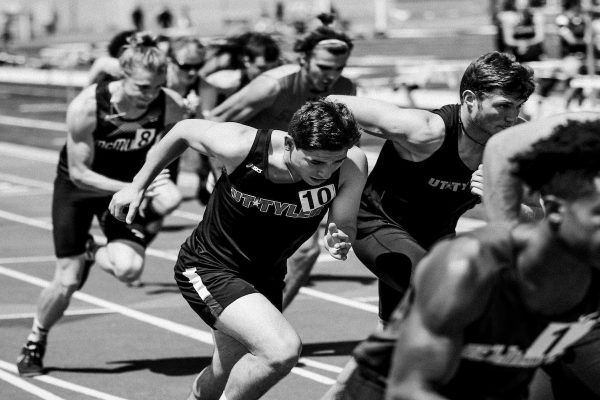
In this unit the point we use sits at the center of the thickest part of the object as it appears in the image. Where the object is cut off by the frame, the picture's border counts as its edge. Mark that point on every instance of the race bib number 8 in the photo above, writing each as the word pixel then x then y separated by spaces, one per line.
pixel 144 138
pixel 316 198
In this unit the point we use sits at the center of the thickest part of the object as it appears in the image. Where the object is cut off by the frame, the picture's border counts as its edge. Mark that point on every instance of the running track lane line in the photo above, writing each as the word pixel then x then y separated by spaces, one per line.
pixel 28 387
pixel 55 382
pixel 184 330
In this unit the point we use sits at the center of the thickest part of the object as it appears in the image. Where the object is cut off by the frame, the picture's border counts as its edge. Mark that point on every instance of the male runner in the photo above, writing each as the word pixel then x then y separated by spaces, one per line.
pixel 270 100
pixel 428 171
pixel 490 306
pixel 111 127
pixel 273 193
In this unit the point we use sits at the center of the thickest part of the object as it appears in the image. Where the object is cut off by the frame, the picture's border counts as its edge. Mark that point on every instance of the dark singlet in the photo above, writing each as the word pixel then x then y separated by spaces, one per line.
pixel 425 198
pixel 293 93
pixel 120 145
pixel 506 343
pixel 251 225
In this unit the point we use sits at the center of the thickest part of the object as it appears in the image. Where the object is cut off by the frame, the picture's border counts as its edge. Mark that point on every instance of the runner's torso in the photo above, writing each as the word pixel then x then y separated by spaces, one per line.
pixel 121 145
pixel 251 224
pixel 426 198
pixel 293 93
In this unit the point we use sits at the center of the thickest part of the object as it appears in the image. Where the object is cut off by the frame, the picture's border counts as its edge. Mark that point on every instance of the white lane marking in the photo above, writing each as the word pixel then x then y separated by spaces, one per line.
pixel 19 180
pixel 320 365
pixel 28 387
pixel 27 260
pixel 313 376
pixel 62 384
pixel 184 330
pixel 340 300
pixel 42 107
pixel 33 123
pixel 367 299
pixel 85 311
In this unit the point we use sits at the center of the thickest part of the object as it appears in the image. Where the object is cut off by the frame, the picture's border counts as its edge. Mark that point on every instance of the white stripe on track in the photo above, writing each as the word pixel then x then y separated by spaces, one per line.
pixel 27 260
pixel 62 384
pixel 33 123
pixel 28 387
pixel 86 311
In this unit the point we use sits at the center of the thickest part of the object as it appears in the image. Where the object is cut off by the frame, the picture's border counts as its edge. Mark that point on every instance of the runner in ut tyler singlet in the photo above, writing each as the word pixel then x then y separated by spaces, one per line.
pixel 272 194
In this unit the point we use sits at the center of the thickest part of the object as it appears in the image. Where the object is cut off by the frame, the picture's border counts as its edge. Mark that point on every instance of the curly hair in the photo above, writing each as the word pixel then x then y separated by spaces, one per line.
pixel 323 125
pixel 563 164
pixel 498 71
pixel 142 51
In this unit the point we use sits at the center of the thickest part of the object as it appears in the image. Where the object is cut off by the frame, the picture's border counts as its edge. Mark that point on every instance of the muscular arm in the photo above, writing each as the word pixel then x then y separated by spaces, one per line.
pixel 81 122
pixel 246 103
pixel 229 143
pixel 503 198
pixel 449 294
pixel 353 175
pixel 419 132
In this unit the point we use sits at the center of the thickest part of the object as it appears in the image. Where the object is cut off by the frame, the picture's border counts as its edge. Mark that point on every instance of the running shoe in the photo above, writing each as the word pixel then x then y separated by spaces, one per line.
pixel 29 362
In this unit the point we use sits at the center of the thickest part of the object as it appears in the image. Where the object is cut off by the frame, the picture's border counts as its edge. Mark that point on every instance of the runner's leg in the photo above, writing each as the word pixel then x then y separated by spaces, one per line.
pixel 273 346
pixel 299 266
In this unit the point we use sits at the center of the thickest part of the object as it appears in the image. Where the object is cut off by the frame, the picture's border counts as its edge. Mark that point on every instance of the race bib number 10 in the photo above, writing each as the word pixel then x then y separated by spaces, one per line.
pixel 315 198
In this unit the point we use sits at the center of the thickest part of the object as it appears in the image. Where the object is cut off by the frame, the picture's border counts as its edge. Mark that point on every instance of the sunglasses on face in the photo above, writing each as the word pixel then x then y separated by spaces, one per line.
pixel 186 66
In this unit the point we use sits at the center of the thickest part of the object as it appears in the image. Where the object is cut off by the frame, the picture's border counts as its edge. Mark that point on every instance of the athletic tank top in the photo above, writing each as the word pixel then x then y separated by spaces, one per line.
pixel 120 144
pixel 507 342
pixel 426 198
pixel 251 225
pixel 293 92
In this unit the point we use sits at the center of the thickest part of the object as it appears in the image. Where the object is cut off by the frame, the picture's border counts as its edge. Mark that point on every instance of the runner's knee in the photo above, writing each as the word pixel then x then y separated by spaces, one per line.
pixel 126 265
pixel 283 353
pixel 67 275
pixel 167 200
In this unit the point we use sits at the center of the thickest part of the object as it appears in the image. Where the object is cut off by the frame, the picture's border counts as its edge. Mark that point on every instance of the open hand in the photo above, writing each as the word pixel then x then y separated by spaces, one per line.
pixel 336 242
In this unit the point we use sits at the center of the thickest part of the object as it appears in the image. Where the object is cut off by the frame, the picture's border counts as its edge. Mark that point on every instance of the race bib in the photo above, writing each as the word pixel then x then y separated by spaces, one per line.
pixel 557 336
pixel 312 199
pixel 143 138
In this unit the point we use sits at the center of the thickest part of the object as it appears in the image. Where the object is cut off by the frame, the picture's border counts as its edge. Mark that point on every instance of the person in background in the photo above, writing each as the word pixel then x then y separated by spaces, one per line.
pixel 523 30
pixel 108 67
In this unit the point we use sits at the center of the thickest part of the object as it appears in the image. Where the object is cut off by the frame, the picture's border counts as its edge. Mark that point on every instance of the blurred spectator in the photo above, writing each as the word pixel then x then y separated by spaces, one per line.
pixel 241 59
pixel 52 24
pixel 107 67
pixel 6 28
pixel 137 17
pixel 522 30
pixel 165 18
pixel 186 56
pixel 571 29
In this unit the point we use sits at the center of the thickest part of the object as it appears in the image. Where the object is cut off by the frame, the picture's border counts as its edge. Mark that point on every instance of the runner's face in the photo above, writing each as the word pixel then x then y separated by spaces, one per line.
pixel 141 86
pixel 495 111
pixel 258 66
pixel 183 68
pixel 316 166
pixel 580 226
pixel 324 69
